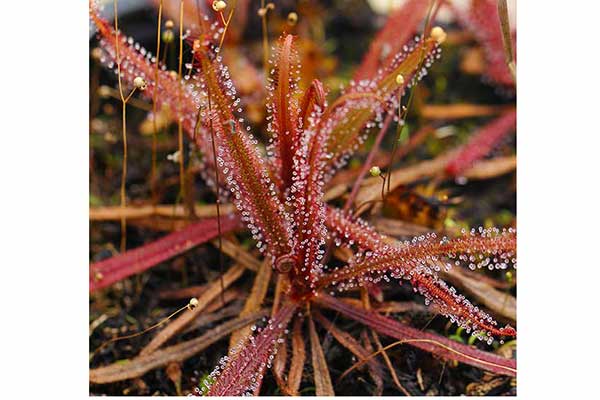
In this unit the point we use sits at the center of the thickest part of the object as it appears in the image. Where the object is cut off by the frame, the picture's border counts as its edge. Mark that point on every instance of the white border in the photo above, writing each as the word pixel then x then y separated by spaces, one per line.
pixel 44 198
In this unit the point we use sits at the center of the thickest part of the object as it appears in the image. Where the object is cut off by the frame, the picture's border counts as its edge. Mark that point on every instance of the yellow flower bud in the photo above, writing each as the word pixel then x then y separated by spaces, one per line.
pixel 375 171
pixel 292 18
pixel 140 83
pixel 193 303
pixel 219 5
pixel 438 34
pixel 96 53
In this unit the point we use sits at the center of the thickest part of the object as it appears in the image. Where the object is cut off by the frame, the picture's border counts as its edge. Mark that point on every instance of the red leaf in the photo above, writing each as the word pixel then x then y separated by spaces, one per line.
pixel 283 106
pixel 170 91
pixel 435 344
pixel 242 372
pixel 246 175
pixel 306 201
pixel 106 272
pixel 417 262
pixel 400 26
pixel 483 21
pixel 353 231
pixel 482 142
pixel 363 101
pixel 312 101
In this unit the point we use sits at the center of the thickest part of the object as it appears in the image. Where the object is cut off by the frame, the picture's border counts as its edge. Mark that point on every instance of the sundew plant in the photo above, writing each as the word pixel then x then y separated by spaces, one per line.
pixel 274 165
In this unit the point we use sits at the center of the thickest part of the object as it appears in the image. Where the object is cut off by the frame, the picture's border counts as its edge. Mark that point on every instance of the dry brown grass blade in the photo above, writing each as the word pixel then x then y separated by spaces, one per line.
pixel 279 367
pixel 459 110
pixel 501 303
pixel 197 291
pixel 232 310
pixel 335 192
pixel 182 293
pixel 280 360
pixel 163 210
pixel 485 169
pixel 254 300
pixel 161 224
pixel 339 183
pixel 507 38
pixel 281 357
pixel 280 288
pixel 388 363
pixel 228 296
pixel 371 189
pixel 346 340
pixel 376 375
pixel 176 353
pixel 238 254
pixel 321 371
pixel 492 168
pixel 298 358
pixel 395 227
pixel 212 291
pixel 493 282
pixel 389 307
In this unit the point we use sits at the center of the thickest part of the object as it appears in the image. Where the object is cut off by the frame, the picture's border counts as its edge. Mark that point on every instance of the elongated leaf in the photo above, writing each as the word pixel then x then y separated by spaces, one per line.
pixel 435 344
pixel 320 369
pixel 239 159
pixel 353 231
pixel 499 302
pixel 399 27
pixel 313 100
pixel 482 142
pixel 106 272
pixel 137 62
pixel 482 20
pixel 306 196
pixel 417 262
pixel 178 96
pixel 346 119
pixel 243 371
pixel 282 104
